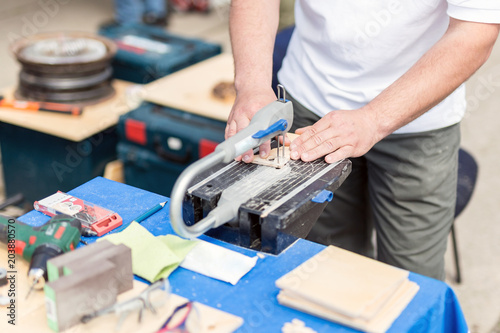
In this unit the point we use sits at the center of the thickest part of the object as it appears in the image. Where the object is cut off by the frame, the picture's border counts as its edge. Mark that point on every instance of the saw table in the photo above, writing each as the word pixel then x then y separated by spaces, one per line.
pixel 275 216
pixel 434 308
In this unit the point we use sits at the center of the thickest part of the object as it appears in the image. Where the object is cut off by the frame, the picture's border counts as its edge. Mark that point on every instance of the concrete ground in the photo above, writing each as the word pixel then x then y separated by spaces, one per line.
pixel 478 228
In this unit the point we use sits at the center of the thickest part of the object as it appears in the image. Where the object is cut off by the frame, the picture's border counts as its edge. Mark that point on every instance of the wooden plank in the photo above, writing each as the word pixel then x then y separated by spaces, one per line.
pixel 344 282
pixel 95 118
pixel 190 89
pixel 378 324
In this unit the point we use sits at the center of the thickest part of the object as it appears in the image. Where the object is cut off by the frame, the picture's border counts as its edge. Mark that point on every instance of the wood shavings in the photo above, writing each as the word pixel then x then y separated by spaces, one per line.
pixel 296 326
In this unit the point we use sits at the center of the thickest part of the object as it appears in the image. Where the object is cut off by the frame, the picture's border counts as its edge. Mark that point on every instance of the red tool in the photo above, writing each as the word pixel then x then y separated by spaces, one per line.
pixel 66 109
pixel 94 217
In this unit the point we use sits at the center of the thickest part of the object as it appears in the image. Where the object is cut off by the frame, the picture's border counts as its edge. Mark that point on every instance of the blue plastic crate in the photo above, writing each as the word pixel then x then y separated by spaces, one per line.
pixel 38 164
pixel 147 53
pixel 157 143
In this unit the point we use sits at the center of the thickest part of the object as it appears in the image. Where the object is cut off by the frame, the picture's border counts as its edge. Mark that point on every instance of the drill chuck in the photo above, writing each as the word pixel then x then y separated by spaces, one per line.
pixel 3 276
pixel 37 273
pixel 37 278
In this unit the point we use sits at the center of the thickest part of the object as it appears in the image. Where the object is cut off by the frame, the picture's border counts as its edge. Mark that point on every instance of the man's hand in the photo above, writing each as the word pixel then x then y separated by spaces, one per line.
pixel 252 26
pixel 338 135
pixel 245 107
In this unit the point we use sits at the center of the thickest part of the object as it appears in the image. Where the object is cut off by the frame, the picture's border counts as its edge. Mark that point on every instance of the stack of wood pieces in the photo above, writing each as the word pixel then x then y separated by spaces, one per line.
pixel 348 288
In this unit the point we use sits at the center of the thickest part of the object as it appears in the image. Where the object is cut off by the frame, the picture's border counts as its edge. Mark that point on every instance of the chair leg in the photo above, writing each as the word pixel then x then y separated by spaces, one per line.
pixel 455 253
pixel 14 200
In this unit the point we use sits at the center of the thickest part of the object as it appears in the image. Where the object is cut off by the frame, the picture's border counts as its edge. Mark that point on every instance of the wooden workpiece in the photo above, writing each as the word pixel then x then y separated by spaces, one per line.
pixel 95 118
pixel 348 288
pixel 191 89
pixel 272 160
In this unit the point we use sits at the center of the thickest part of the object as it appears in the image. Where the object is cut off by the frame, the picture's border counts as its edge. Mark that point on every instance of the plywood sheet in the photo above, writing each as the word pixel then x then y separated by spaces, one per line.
pixel 378 324
pixel 190 89
pixel 95 118
pixel 342 281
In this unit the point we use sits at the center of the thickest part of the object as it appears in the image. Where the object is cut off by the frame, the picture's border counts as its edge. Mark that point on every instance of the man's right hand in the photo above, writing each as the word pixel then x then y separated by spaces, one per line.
pixel 246 105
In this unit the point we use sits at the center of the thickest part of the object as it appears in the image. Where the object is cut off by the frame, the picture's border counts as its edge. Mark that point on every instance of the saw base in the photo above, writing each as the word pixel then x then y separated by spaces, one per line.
pixel 273 219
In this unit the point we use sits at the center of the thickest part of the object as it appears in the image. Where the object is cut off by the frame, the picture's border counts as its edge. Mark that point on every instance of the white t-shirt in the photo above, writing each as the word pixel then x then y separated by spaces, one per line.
pixel 344 53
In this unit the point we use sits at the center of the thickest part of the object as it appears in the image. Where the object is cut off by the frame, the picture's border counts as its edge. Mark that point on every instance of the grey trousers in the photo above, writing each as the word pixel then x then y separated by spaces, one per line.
pixel 405 188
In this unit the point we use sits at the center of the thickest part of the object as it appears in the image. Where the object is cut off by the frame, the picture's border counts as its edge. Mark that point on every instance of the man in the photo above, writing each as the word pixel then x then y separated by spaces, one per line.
pixel 152 12
pixel 380 82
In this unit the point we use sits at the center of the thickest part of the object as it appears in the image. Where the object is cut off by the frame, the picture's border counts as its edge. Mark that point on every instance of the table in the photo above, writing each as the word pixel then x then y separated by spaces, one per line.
pixel 435 308
pixel 43 152
pixel 94 119
pixel 190 89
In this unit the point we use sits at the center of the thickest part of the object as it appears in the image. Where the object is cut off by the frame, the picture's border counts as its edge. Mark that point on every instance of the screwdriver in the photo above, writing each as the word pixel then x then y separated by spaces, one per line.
pixel 60 108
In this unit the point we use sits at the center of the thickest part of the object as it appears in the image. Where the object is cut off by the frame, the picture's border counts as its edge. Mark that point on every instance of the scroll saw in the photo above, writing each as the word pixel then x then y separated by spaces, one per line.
pixel 265 208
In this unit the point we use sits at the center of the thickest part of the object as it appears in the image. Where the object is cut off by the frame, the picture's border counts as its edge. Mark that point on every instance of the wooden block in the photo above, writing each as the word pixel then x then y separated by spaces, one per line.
pixel 272 160
pixel 55 265
pixel 70 297
pixel 114 171
pixel 119 255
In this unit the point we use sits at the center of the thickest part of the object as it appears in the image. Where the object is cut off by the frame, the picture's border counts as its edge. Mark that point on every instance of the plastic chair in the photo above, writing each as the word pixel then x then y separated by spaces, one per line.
pixel 466 182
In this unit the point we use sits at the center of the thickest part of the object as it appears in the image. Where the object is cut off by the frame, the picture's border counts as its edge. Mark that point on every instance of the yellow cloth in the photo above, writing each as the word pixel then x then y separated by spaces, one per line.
pixel 152 257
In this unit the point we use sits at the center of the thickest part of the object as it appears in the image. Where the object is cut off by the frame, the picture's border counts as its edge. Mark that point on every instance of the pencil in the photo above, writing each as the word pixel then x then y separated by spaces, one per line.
pixel 149 212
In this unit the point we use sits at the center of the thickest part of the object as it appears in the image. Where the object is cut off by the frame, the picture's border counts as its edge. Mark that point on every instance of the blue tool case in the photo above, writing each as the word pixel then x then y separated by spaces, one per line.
pixel 37 164
pixel 157 143
pixel 147 53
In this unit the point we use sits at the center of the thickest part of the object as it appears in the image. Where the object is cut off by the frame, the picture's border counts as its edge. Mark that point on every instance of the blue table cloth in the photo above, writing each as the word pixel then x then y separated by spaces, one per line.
pixel 435 308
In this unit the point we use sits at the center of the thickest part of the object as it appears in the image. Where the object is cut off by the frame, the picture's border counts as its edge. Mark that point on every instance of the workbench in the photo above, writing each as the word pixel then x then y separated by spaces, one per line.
pixel 435 308
pixel 43 152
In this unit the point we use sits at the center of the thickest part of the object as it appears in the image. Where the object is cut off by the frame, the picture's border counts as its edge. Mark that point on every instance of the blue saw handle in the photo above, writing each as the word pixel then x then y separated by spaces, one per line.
pixel 277 127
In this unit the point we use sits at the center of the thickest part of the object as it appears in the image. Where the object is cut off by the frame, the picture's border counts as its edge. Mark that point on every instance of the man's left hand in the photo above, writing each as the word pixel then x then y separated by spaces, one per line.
pixel 339 134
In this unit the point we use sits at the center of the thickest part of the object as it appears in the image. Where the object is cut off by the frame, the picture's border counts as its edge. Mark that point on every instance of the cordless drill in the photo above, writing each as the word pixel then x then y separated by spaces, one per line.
pixel 39 244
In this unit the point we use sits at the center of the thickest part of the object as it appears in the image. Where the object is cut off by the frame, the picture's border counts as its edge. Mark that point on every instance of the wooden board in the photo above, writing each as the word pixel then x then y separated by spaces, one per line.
pixel 31 314
pixel 95 118
pixel 344 282
pixel 378 324
pixel 190 89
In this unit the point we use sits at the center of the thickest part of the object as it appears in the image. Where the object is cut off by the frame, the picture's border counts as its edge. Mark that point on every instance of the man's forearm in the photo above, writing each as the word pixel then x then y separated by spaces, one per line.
pixel 450 62
pixel 253 25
